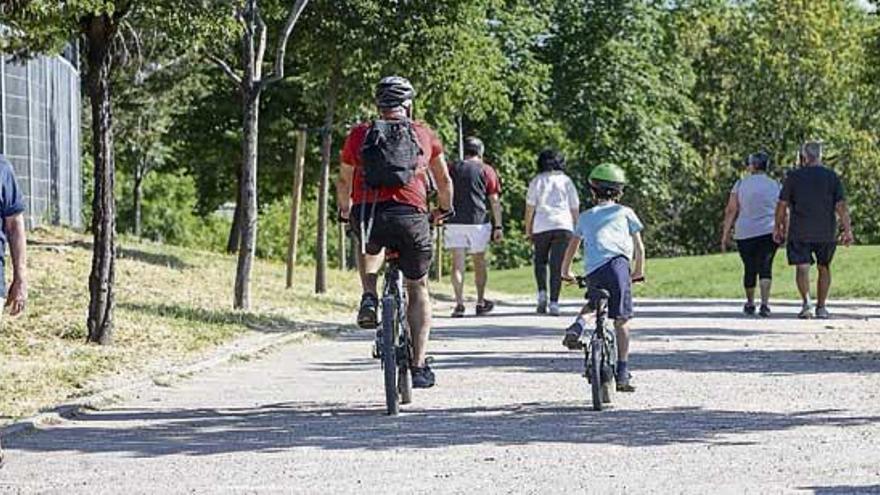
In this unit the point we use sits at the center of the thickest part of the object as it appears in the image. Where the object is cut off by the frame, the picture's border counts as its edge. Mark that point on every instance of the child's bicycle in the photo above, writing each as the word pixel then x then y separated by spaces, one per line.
pixel 600 347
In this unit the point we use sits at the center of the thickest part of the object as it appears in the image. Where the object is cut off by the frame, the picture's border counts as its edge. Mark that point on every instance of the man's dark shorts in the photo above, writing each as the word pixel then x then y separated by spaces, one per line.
pixel 808 253
pixel 614 276
pixel 399 228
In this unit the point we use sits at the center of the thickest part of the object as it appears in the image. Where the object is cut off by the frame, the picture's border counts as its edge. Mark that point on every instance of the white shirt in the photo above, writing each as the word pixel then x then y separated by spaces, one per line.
pixel 553 196
pixel 757 195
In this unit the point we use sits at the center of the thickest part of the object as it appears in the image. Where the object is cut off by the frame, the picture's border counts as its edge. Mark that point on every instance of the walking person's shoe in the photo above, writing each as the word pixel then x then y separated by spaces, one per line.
pixel 554 309
pixel 822 313
pixel 458 312
pixel 806 312
pixel 367 318
pixel 485 307
pixel 749 309
pixel 542 302
pixel 422 377
pixel 572 339
pixel 764 311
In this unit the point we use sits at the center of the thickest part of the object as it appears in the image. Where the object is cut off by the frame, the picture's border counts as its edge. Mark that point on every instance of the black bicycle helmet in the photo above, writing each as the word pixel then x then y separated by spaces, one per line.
pixel 760 160
pixel 393 92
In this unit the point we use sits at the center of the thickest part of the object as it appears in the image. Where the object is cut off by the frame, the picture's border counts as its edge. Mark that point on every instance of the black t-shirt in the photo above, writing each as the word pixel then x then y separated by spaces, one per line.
pixel 472 183
pixel 11 199
pixel 812 194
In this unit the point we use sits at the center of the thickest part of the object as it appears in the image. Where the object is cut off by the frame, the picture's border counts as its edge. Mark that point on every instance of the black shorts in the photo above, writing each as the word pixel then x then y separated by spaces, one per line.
pixel 614 276
pixel 805 252
pixel 399 228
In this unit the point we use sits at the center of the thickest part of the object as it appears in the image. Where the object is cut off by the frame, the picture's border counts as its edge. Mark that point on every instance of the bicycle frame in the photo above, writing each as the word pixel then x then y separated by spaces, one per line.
pixel 398 385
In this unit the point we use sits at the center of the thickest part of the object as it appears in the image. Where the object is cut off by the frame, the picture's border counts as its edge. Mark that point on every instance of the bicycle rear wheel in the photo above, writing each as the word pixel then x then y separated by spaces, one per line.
pixel 389 355
pixel 595 372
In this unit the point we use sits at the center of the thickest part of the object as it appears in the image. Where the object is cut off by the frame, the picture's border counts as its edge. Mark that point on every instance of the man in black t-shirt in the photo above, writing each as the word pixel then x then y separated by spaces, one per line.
pixel 813 198
pixel 477 190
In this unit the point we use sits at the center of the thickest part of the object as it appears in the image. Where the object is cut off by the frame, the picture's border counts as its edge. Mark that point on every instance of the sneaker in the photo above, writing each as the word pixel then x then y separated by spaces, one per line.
pixel 485 308
pixel 377 345
pixel 554 309
pixel 749 309
pixel 367 318
pixel 764 311
pixel 624 385
pixel 806 312
pixel 422 377
pixel 572 339
pixel 822 313
pixel 542 302
pixel 458 312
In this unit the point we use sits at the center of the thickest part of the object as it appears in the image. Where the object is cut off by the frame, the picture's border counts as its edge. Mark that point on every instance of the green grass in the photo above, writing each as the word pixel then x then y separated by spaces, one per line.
pixel 855 271
pixel 172 305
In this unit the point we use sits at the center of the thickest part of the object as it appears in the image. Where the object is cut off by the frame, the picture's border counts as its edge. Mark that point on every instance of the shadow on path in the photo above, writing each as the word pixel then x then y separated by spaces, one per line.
pixel 279 427
pixel 844 490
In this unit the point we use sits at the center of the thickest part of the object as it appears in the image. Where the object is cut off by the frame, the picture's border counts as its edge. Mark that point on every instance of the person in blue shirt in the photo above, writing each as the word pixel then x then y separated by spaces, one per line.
pixel 614 256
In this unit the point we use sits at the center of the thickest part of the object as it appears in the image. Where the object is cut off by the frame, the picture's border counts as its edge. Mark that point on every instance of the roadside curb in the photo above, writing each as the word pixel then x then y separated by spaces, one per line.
pixel 246 346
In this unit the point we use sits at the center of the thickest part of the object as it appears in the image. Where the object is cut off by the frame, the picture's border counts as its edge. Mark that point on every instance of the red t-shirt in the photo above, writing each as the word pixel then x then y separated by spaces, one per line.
pixel 415 193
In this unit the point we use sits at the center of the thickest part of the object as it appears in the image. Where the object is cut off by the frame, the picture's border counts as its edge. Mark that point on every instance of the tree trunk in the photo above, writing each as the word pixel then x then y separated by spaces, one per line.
pixel 324 188
pixel 296 203
pixel 235 229
pixel 251 89
pixel 99 32
pixel 138 198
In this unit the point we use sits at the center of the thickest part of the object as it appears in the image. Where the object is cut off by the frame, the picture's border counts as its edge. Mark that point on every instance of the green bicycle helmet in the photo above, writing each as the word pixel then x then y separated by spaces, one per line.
pixel 608 176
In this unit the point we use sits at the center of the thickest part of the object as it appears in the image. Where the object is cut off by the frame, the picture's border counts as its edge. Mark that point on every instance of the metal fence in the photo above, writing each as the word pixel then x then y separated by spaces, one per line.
pixel 40 135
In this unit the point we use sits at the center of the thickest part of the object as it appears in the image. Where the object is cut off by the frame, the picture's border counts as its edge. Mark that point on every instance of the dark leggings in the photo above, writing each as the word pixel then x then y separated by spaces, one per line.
pixel 757 255
pixel 550 247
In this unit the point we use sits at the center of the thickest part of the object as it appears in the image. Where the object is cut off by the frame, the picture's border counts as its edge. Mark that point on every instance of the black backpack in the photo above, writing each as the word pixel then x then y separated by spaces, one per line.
pixel 390 153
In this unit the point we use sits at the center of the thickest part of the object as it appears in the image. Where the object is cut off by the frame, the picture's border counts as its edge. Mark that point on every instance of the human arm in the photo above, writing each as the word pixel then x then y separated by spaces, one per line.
pixel 440 172
pixel 638 270
pixel 497 230
pixel 781 228
pixel 846 222
pixel 15 232
pixel 529 220
pixel 570 251
pixel 730 213
pixel 343 189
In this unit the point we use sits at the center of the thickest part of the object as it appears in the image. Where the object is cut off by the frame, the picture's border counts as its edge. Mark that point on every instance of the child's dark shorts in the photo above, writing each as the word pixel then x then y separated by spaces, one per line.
pixel 614 276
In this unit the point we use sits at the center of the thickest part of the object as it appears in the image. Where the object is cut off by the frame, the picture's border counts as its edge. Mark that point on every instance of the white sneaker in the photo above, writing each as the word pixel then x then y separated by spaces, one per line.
pixel 542 302
pixel 822 313
pixel 554 309
pixel 806 312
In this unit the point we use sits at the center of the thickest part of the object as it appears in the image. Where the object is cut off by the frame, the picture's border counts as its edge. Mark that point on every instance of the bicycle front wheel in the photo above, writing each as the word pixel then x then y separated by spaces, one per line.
pixel 595 372
pixel 389 355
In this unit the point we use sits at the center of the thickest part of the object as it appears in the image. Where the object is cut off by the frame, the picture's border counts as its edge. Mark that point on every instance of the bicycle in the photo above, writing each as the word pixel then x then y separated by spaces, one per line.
pixel 394 347
pixel 600 348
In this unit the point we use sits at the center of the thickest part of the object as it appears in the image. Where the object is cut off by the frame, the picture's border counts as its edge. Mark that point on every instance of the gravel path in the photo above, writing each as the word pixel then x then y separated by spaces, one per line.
pixel 725 404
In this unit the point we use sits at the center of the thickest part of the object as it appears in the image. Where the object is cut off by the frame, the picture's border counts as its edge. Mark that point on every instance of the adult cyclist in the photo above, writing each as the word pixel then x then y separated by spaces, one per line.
pixel 382 190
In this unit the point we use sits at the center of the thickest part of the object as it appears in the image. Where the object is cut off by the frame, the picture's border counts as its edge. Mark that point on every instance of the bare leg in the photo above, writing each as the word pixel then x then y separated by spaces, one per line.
pixel 457 275
pixel 802 277
pixel 766 284
pixel 823 285
pixel 419 317
pixel 621 328
pixel 480 275
pixel 368 268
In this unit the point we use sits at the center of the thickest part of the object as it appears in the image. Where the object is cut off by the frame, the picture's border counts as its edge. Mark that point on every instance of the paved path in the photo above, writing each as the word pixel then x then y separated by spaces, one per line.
pixel 725 404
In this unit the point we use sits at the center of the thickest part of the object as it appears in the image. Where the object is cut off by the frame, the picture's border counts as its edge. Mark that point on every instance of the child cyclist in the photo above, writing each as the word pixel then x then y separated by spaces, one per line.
pixel 611 236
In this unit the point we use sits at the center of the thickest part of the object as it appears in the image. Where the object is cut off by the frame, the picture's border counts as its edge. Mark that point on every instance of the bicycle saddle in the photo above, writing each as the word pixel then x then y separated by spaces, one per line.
pixel 598 294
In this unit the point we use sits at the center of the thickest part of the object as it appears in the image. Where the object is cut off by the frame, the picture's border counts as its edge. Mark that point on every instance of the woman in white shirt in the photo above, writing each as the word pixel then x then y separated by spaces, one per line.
pixel 752 203
pixel 552 209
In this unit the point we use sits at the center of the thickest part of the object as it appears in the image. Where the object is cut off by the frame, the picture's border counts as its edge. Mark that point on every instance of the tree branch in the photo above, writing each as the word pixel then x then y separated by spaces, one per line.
pixel 278 73
pixel 261 47
pixel 225 67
